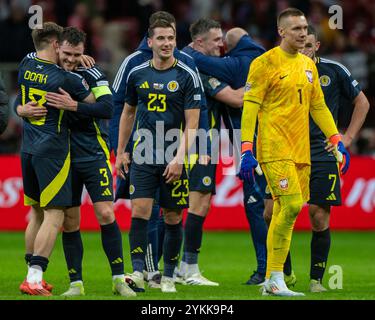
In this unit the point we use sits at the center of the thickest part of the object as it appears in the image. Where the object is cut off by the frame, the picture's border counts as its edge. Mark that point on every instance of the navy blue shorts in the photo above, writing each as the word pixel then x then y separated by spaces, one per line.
pixel 96 176
pixel 203 178
pixel 46 181
pixel 325 184
pixel 147 180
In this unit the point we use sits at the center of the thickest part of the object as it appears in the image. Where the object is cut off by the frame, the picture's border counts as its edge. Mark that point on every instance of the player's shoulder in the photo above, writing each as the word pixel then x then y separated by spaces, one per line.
pixel 187 71
pixel 335 65
pixel 138 68
pixel 95 72
pixel 185 58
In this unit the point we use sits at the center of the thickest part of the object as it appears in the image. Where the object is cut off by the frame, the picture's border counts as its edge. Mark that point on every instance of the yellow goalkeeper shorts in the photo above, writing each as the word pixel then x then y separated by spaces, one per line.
pixel 285 177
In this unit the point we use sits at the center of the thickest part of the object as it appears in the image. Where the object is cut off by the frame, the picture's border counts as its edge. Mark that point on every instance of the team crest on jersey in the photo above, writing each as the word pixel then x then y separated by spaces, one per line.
pixel 325 81
pixel 284 184
pixel 214 83
pixel 131 189
pixel 158 86
pixel 85 84
pixel 172 86
pixel 309 75
pixel 206 181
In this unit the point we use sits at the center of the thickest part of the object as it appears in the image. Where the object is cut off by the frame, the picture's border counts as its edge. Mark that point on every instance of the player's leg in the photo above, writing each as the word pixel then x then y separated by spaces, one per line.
pixel 325 192
pixel 254 208
pixel 174 197
pixel 286 181
pixel 171 247
pixel 152 259
pixel 202 180
pixel 144 181
pixel 73 250
pixel 53 176
pixel 97 177
pixel 320 245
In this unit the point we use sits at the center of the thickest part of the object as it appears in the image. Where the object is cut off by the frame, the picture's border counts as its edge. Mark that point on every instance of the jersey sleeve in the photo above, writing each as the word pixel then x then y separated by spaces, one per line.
pixel 97 81
pixel 131 96
pixel 257 82
pixel 76 86
pixel 349 86
pixel 212 86
pixel 317 96
pixel 192 92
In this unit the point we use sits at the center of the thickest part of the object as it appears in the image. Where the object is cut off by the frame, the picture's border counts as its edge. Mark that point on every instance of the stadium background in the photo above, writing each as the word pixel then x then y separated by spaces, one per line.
pixel 114 30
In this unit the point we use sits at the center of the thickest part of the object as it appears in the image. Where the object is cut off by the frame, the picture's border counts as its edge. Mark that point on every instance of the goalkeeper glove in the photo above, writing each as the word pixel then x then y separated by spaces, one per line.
pixel 342 155
pixel 248 163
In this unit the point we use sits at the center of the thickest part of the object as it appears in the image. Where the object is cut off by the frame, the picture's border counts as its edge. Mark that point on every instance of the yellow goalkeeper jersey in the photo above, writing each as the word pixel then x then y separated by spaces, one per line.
pixel 285 86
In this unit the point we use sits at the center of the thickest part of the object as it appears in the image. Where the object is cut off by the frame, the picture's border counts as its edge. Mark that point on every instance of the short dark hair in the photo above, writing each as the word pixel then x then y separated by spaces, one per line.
pixel 202 26
pixel 73 36
pixel 289 12
pixel 312 30
pixel 43 37
pixel 160 23
pixel 164 15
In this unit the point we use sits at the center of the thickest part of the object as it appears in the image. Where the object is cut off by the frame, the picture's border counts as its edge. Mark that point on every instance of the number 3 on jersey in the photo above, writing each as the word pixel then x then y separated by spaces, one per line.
pixel 157 102
pixel 41 101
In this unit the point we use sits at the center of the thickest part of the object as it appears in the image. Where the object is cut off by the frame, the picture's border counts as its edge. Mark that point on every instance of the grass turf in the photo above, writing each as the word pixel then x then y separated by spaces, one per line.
pixel 227 257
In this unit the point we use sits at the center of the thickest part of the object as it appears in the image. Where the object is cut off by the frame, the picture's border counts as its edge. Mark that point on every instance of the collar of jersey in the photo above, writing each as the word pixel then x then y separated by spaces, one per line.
pixel 44 61
pixel 173 65
pixel 287 54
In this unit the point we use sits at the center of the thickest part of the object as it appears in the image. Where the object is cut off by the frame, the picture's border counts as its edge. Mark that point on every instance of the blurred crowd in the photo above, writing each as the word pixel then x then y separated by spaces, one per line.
pixel 114 29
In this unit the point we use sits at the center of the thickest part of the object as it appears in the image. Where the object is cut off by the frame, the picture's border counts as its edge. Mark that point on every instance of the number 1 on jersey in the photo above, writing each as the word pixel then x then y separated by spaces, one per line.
pixel 300 95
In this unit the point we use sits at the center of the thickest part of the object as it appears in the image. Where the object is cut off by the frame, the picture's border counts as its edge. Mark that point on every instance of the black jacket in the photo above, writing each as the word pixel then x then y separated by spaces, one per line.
pixel 4 108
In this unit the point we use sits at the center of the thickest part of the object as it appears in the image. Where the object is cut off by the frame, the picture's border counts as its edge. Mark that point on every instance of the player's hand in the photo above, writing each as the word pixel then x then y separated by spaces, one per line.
pixel 61 100
pixel 87 61
pixel 248 164
pixel 122 164
pixel 345 163
pixel 204 159
pixel 342 155
pixel 32 110
pixel 173 171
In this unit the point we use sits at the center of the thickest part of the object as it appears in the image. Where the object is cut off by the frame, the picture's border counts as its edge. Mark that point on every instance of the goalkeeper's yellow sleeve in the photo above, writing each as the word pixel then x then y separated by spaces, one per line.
pixel 324 119
pixel 249 119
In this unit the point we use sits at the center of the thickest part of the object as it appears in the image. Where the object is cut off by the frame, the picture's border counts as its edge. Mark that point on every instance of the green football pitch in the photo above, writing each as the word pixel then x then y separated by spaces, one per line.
pixel 227 257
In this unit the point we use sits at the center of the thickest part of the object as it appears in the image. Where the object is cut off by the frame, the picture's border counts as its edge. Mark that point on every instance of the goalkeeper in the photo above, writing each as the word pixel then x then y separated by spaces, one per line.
pixel 282 88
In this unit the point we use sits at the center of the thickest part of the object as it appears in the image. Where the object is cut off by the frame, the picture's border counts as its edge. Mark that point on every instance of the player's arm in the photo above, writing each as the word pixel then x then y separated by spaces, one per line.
pixel 351 89
pixel 126 124
pixel 119 91
pixel 324 120
pixel 361 108
pixel 125 130
pixel 174 168
pixel 255 91
pixel 231 97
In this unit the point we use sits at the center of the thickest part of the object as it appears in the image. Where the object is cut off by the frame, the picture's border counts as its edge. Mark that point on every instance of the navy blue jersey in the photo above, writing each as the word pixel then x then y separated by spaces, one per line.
pixel 162 96
pixel 141 55
pixel 89 135
pixel 212 87
pixel 47 136
pixel 232 69
pixel 336 82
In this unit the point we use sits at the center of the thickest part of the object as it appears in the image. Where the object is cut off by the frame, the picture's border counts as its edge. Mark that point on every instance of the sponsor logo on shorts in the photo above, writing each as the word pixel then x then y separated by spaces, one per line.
pixel 284 184
pixel 207 181
pixel 131 189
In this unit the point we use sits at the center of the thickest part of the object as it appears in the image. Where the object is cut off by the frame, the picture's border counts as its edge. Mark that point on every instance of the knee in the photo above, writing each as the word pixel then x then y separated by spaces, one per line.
pixel 171 217
pixel 319 218
pixel 267 215
pixel 106 216
pixel 293 208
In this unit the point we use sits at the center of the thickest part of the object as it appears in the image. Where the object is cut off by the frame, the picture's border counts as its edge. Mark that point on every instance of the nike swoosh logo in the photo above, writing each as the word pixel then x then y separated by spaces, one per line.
pixel 282 77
